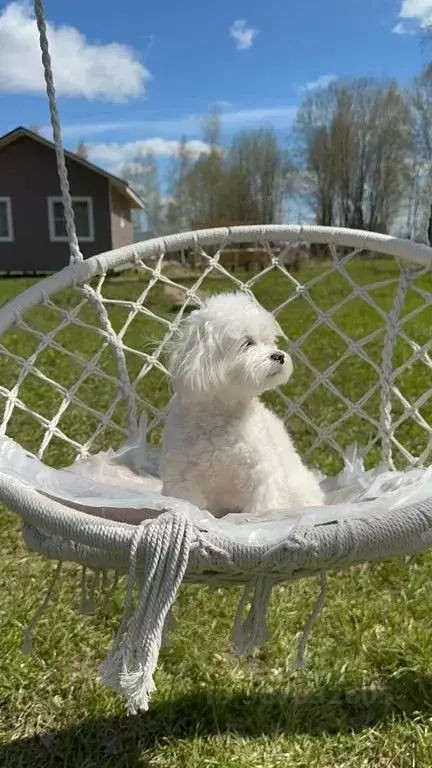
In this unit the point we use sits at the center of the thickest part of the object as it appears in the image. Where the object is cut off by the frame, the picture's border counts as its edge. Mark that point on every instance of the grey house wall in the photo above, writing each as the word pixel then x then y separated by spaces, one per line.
pixel 28 175
pixel 121 220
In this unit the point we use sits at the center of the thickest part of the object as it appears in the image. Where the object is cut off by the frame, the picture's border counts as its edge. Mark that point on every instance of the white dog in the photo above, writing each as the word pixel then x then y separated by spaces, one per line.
pixel 223 450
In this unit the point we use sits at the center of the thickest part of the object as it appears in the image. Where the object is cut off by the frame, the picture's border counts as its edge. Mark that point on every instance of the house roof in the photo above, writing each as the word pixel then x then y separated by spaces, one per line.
pixel 120 184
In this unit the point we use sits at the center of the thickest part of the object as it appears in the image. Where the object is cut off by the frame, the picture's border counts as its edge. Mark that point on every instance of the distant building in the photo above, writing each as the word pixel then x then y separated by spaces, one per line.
pixel 32 226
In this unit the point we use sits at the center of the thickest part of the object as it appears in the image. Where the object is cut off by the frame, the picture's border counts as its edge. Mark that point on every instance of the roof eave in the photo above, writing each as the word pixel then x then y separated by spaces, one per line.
pixel 120 184
pixel 133 197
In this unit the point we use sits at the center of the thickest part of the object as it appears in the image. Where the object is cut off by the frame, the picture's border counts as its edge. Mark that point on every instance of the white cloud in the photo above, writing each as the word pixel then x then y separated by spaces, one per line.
pixel 85 130
pixel 259 115
pixel 110 72
pixel 116 154
pixel 418 11
pixel 401 29
pixel 243 35
pixel 187 125
pixel 319 84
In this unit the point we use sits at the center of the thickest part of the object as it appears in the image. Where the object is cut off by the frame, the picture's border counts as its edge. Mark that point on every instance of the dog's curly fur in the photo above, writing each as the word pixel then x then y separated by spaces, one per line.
pixel 223 450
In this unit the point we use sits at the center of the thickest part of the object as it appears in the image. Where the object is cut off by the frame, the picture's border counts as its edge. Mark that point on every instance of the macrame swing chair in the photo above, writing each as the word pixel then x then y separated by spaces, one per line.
pixel 105 511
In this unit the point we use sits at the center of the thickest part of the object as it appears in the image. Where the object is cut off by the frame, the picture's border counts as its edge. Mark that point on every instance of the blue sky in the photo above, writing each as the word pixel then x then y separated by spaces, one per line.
pixel 136 74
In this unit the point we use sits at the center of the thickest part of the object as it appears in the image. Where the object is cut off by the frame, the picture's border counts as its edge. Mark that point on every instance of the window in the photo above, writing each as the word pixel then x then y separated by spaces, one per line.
pixel 84 223
pixel 6 231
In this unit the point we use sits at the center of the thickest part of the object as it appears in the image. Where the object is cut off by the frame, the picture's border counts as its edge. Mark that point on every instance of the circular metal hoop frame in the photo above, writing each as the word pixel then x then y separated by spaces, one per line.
pixel 79 273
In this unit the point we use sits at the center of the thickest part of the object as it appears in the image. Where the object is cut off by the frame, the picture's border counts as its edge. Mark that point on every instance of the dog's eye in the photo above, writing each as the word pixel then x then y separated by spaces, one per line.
pixel 248 342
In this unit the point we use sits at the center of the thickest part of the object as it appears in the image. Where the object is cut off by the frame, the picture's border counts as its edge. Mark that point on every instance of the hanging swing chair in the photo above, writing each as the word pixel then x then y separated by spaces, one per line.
pixel 105 511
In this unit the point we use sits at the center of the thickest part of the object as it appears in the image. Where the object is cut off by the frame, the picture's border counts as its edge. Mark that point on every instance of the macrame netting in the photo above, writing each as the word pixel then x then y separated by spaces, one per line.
pixel 391 297
pixel 362 304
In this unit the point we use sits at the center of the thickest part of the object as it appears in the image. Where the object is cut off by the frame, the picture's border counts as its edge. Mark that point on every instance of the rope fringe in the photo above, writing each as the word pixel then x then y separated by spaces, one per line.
pixel 300 661
pixel 88 591
pixel 253 631
pixel 111 591
pixel 160 550
pixel 27 643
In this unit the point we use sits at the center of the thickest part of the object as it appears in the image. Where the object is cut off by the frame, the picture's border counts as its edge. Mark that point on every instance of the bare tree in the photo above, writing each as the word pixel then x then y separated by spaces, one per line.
pixel 247 182
pixel 355 140
pixel 420 202
pixel 195 184
pixel 202 181
pixel 316 156
pixel 142 173
pixel 256 178
pixel 177 213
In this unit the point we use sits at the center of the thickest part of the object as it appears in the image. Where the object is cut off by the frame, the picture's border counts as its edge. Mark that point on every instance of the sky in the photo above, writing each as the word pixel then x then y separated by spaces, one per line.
pixel 138 75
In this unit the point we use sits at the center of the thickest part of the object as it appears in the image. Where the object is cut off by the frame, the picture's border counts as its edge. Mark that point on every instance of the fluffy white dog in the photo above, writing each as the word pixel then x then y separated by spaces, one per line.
pixel 223 450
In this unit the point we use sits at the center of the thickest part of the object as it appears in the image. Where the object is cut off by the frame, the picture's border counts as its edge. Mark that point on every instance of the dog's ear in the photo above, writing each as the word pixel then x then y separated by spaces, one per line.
pixel 190 361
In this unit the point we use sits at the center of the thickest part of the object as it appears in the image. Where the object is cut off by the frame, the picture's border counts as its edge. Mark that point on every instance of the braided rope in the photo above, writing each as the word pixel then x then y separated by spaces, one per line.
pixel 30 628
pixel 75 253
pixel 159 554
pixel 387 372
pixel 253 631
pixel 163 548
pixel 300 660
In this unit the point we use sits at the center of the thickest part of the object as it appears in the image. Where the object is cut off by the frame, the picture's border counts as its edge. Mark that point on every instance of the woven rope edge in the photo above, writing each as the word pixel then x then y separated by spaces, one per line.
pixel 58 531
pixel 79 273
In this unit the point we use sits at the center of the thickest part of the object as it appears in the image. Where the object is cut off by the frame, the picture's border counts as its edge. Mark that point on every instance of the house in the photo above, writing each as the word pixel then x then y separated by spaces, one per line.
pixel 32 227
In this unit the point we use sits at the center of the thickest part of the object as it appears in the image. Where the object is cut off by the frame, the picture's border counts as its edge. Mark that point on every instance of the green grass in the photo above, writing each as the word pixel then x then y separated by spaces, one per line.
pixel 366 698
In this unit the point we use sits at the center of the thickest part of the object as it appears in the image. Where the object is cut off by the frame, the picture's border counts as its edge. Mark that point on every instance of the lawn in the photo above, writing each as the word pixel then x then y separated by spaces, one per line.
pixel 366 697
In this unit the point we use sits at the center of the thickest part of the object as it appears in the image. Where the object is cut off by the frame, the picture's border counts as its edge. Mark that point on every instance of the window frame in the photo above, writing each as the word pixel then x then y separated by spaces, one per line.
pixel 51 220
pixel 10 236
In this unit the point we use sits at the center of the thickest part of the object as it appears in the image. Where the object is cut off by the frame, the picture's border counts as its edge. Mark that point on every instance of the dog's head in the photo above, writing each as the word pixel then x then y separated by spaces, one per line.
pixel 228 349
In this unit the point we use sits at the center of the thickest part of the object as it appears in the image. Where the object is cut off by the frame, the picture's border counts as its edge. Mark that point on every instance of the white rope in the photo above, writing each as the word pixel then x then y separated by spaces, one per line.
pixel 75 253
pixel 253 631
pixel 375 423
pixel 88 591
pixel 300 661
pixel 111 591
pixel 161 553
pixel 160 550
pixel 387 373
pixel 158 554
pixel 30 628
pixel 382 376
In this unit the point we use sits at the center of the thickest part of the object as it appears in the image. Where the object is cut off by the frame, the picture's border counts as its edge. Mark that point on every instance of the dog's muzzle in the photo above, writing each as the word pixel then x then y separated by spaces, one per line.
pixel 278 357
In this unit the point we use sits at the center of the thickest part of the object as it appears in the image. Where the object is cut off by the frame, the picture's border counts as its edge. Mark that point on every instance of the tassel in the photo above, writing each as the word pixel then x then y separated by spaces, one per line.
pixel 300 661
pixel 88 589
pixel 27 644
pixel 160 548
pixel 253 631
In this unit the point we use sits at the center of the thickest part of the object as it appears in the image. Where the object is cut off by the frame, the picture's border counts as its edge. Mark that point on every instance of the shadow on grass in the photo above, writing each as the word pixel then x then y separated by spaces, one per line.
pixel 120 741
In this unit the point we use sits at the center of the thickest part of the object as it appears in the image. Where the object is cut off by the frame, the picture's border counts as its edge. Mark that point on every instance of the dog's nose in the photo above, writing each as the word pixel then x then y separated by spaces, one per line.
pixel 278 357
